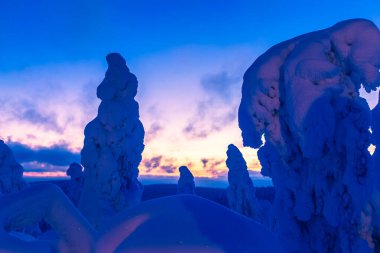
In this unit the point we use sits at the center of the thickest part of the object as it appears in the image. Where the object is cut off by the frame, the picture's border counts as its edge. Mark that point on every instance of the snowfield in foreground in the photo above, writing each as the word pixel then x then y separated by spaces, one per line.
pixel 182 223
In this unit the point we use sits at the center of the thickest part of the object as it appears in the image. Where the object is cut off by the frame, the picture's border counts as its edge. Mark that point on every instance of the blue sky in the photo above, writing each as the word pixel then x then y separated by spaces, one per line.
pixel 189 57
pixel 44 31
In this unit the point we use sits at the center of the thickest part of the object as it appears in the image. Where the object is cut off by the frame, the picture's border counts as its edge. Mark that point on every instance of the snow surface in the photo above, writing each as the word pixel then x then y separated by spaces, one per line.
pixel 44 202
pixel 303 96
pixel 186 184
pixel 10 171
pixel 113 146
pixel 182 223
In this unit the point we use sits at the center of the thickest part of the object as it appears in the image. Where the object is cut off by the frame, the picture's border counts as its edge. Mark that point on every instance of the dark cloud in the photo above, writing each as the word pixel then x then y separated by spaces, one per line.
pixel 27 111
pixel 210 117
pixel 153 131
pixel 42 167
pixel 218 109
pixel 156 121
pixel 152 163
pixel 221 84
pixel 47 121
pixel 214 167
pixel 159 164
pixel 169 168
pixel 58 155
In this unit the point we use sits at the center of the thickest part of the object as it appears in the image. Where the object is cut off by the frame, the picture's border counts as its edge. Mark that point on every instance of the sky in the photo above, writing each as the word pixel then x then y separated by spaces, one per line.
pixel 189 58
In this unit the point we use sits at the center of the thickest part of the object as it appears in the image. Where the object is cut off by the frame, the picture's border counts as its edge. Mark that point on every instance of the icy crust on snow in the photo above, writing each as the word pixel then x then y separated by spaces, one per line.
pixel 182 223
pixel 186 184
pixel 10 171
pixel 303 96
pixel 240 192
pixel 113 146
pixel 75 171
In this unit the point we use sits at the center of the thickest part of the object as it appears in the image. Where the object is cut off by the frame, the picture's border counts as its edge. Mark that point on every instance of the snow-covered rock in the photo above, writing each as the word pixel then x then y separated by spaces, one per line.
pixel 113 146
pixel 186 183
pixel 182 223
pixel 10 171
pixel 303 96
pixel 75 171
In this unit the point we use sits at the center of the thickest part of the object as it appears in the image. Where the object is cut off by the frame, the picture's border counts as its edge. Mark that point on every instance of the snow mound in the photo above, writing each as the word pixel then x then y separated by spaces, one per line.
pixel 185 223
pixel 43 202
pixel 113 146
pixel 186 184
pixel 10 171
pixel 303 96
pixel 182 223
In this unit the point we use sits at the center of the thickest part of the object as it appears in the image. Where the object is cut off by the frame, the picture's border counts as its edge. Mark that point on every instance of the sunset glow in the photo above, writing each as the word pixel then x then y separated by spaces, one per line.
pixel 189 79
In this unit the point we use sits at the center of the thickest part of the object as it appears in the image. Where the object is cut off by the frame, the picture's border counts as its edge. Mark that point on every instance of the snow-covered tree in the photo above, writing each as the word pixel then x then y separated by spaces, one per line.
pixel 303 96
pixel 186 183
pixel 10 171
pixel 113 146
pixel 75 171
pixel 370 225
pixel 241 191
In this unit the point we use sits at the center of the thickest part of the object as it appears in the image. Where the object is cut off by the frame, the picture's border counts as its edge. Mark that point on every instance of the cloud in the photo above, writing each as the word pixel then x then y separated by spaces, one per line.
pixel 220 84
pixel 214 167
pixel 169 168
pixel 158 165
pixel 153 131
pixel 42 167
pixel 57 155
pixel 219 107
pixel 26 111
pixel 211 116
pixel 152 163
pixel 46 121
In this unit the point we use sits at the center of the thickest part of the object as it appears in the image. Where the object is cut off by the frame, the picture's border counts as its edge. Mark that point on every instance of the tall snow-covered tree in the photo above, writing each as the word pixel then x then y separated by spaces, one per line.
pixel 186 184
pixel 241 191
pixel 303 96
pixel 113 146
pixel 11 172
pixel 75 171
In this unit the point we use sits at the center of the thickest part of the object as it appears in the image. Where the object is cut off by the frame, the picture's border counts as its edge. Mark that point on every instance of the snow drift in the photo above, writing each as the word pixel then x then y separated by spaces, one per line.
pixel 182 223
pixel 113 146
pixel 302 96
